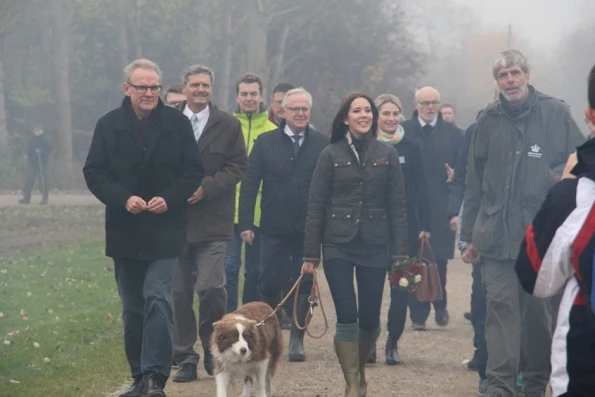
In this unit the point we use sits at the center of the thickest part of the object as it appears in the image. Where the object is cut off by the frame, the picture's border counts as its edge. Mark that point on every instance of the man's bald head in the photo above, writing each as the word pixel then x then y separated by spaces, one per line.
pixel 427 103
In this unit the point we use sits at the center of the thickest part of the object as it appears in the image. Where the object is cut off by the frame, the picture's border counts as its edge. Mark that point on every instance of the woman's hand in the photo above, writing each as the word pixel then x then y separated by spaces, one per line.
pixel 308 268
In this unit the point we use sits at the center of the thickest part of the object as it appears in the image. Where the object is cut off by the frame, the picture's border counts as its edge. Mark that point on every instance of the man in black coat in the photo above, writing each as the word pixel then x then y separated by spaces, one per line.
pixel 283 160
pixel 38 151
pixel 143 164
pixel 439 144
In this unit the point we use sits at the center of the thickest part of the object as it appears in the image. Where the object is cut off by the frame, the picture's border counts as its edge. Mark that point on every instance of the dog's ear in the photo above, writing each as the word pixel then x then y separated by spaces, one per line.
pixel 252 322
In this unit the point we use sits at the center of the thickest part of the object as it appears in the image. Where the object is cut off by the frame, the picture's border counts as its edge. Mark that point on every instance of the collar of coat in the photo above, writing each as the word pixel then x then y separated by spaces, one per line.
pixel 367 138
pixel 585 155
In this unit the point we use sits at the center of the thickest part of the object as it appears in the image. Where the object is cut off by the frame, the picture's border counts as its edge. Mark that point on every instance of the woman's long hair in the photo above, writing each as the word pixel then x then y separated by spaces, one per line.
pixel 339 129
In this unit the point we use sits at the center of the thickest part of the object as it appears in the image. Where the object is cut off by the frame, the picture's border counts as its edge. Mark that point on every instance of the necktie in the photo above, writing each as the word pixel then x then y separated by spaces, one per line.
pixel 296 144
pixel 428 129
pixel 194 121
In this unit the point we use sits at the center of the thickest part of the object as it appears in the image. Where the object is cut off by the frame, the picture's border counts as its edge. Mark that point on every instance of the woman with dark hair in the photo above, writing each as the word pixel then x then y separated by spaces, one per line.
pixel 356 209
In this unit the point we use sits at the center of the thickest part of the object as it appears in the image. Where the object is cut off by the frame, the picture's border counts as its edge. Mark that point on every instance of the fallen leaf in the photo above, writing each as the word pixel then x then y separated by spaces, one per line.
pixel 46 359
pixel 7 342
pixel 29 293
pixel 36 345
pixel 1 314
pixel 14 381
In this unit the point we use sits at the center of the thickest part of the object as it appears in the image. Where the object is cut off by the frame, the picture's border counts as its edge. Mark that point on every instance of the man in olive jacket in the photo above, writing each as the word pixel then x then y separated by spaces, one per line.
pixel 143 164
pixel 211 214
pixel 517 153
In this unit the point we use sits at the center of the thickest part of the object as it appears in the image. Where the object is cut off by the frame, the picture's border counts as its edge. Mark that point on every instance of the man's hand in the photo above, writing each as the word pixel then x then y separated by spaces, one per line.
pixel 247 236
pixel 454 223
pixel 426 235
pixel 197 196
pixel 572 161
pixel 308 268
pixel 157 205
pixel 450 173
pixel 135 205
pixel 471 255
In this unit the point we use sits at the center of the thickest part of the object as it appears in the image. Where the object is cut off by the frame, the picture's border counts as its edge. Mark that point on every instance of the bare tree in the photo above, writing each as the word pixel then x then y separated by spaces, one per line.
pixel 3 128
pixel 61 21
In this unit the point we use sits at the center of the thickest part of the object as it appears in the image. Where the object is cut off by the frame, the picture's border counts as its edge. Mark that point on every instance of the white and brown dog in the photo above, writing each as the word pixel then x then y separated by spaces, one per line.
pixel 245 348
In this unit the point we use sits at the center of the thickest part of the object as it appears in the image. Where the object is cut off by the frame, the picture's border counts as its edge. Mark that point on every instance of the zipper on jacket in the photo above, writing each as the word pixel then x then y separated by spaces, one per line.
pixel 249 131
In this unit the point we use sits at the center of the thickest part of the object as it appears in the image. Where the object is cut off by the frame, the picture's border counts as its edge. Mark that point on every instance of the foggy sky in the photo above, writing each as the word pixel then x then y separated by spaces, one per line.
pixel 542 23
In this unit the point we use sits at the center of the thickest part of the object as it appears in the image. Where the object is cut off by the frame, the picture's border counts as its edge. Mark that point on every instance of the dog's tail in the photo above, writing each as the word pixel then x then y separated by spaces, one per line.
pixel 276 351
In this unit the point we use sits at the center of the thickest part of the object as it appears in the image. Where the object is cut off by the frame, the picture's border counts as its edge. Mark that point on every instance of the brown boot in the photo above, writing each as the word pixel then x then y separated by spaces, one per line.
pixel 367 342
pixel 348 355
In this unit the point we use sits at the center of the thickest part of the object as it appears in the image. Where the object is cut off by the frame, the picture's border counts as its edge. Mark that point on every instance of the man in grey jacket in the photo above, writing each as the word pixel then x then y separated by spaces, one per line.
pixel 517 153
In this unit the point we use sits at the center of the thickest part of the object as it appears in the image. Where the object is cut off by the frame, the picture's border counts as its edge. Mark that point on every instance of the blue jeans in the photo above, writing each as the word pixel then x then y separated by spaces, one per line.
pixel 233 262
pixel 145 290
pixel 478 319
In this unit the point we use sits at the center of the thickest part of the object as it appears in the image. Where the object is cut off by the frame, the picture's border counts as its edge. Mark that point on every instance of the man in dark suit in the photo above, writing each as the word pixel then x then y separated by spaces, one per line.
pixel 143 164
pixel 38 151
pixel 283 160
pixel 439 144
pixel 211 214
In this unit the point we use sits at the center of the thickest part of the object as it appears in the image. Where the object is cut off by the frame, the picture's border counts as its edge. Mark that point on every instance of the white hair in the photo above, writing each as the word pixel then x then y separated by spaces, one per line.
pixel 298 90
pixel 141 63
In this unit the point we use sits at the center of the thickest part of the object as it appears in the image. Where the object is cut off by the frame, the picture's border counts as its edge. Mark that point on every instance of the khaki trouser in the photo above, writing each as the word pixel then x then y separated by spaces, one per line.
pixel 208 260
pixel 518 327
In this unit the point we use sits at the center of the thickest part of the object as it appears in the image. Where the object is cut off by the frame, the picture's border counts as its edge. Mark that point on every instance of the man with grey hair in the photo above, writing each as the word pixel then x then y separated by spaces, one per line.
pixel 143 165
pixel 283 160
pixel 517 152
pixel 439 144
pixel 211 211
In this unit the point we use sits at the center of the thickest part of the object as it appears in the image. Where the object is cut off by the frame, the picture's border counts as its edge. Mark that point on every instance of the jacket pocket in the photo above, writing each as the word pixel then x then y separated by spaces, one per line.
pixel 339 222
pixel 374 227
pixel 488 231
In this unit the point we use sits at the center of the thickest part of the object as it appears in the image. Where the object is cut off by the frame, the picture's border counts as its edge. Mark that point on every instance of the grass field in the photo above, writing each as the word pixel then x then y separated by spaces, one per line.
pixel 60 324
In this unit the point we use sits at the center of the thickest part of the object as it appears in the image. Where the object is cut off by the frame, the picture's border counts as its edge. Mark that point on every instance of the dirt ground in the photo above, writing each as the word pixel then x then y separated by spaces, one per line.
pixel 66 219
pixel 432 360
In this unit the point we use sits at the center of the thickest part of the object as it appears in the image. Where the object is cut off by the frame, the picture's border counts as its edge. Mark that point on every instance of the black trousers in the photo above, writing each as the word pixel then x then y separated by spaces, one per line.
pixel 419 311
pixel 370 286
pixel 35 169
pixel 277 270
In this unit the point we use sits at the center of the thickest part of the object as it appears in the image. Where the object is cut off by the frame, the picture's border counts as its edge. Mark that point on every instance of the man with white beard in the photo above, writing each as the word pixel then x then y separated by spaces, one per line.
pixel 518 151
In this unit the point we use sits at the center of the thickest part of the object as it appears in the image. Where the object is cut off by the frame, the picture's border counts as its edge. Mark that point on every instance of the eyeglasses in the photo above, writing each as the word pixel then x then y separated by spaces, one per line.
pixel 428 103
pixel 141 89
pixel 298 110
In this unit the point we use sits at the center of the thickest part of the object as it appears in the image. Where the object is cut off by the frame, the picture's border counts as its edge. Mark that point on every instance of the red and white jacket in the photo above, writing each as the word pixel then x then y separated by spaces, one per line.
pixel 557 254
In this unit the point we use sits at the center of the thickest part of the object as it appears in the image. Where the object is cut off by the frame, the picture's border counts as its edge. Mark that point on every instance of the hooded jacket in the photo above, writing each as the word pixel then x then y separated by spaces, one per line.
pixel 514 160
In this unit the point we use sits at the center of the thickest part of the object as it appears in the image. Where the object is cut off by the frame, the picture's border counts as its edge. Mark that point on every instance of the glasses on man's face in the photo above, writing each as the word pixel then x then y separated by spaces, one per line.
pixel 428 103
pixel 298 110
pixel 141 89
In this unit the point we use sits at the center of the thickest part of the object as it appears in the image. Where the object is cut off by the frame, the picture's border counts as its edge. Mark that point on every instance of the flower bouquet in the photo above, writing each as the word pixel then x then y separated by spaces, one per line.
pixel 406 274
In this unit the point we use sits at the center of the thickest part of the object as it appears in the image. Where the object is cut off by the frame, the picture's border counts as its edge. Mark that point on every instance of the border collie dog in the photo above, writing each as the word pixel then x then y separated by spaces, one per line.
pixel 246 349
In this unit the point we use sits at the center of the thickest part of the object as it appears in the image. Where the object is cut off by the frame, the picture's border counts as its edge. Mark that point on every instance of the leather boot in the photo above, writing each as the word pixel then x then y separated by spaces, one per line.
pixel 367 341
pixel 391 352
pixel 296 336
pixel 348 355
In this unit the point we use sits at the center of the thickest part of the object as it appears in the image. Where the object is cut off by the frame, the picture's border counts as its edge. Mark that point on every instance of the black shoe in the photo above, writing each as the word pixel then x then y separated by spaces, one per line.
pixel 296 337
pixel 208 362
pixel 467 316
pixel 23 201
pixel 372 357
pixel 136 390
pixel 186 373
pixel 154 386
pixel 442 318
pixel 392 353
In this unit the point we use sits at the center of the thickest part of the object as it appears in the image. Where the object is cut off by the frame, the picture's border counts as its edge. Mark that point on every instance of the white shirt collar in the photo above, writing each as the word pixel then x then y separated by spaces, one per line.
pixel 290 133
pixel 202 115
pixel 423 123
